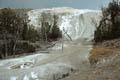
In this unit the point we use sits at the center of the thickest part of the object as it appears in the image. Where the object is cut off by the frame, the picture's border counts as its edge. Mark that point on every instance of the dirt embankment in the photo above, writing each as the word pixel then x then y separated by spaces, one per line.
pixel 105 58
pixel 104 63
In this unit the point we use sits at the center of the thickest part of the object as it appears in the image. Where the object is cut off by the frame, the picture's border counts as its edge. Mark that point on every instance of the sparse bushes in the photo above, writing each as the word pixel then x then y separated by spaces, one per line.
pixel 11 25
pixel 109 27
pixel 50 32
pixel 30 34
pixel 25 47
pixel 14 29
pixel 55 32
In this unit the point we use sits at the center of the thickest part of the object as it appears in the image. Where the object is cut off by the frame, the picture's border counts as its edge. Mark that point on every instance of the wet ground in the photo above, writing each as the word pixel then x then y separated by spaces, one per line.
pixel 55 65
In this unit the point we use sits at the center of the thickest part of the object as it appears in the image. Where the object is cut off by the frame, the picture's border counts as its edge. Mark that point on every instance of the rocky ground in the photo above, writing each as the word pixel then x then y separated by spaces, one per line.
pixel 104 63
pixel 55 65
pixel 74 62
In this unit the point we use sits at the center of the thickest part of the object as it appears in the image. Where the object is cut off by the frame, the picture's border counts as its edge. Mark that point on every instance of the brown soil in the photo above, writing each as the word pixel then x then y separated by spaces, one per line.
pixel 105 57
pixel 104 61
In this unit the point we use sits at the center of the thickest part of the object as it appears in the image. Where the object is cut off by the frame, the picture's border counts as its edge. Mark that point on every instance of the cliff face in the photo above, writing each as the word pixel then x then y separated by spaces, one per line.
pixel 79 24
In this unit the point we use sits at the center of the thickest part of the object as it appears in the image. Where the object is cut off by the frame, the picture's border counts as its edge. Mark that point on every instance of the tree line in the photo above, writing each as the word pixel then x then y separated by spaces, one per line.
pixel 16 35
pixel 109 26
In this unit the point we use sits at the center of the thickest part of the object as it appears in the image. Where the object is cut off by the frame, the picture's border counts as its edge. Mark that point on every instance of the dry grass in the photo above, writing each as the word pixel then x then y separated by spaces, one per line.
pixel 109 69
pixel 100 52
pixel 104 49
pixel 105 71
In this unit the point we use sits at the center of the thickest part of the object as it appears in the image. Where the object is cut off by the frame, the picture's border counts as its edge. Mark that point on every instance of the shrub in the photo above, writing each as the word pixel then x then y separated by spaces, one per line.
pixel 30 33
pixel 50 32
pixel 55 33
pixel 25 47
pixel 10 28
pixel 109 27
pixel 14 28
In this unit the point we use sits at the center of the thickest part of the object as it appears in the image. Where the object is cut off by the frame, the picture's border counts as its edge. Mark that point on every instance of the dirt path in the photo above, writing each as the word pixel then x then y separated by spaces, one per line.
pixel 83 66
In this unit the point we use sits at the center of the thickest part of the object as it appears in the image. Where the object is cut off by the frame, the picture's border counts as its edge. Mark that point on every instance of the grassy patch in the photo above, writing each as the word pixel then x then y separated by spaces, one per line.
pixel 99 52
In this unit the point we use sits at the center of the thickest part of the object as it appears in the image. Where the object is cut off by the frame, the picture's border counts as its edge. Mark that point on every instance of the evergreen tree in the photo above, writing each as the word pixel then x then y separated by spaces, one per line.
pixel 11 26
pixel 109 27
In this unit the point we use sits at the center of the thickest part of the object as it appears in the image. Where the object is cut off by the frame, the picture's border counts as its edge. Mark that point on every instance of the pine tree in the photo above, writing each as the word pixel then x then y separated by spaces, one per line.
pixel 109 27
pixel 11 26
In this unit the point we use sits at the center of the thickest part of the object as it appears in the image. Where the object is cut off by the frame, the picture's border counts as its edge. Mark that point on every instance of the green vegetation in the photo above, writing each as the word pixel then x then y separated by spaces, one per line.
pixel 109 27
pixel 30 34
pixel 50 32
pixel 17 37
pixel 55 31
pixel 13 30
pixel 11 25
